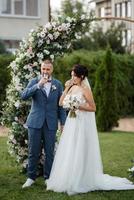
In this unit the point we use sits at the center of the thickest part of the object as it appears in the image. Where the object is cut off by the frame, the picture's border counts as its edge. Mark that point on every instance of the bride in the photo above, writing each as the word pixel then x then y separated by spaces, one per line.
pixel 77 167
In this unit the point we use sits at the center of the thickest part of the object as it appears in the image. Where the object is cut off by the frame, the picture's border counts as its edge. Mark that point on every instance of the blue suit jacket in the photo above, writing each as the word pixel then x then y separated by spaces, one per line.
pixel 43 107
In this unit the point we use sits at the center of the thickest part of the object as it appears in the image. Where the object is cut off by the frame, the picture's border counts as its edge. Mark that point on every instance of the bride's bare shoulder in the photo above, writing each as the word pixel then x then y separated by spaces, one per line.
pixel 85 88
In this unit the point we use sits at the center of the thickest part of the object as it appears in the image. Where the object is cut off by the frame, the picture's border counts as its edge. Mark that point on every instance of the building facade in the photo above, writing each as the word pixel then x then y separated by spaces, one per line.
pixel 18 17
pixel 120 9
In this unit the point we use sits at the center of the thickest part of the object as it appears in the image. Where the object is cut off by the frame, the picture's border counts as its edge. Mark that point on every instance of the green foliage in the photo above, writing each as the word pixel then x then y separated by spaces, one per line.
pixel 2 48
pixel 125 83
pixel 72 8
pixel 114 38
pixel 98 39
pixel 5 77
pixel 105 94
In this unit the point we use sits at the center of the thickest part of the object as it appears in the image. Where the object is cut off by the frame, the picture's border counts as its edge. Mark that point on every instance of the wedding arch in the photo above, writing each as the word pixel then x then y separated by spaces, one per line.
pixel 48 41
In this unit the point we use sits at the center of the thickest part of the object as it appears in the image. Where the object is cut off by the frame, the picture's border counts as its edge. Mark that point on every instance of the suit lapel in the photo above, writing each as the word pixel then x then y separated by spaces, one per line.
pixel 51 89
pixel 44 92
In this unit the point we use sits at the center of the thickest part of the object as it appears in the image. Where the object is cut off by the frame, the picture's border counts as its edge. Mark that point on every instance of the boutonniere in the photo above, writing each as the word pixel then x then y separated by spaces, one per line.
pixel 54 87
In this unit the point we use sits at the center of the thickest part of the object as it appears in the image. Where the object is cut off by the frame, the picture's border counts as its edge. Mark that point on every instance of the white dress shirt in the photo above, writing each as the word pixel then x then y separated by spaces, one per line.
pixel 47 87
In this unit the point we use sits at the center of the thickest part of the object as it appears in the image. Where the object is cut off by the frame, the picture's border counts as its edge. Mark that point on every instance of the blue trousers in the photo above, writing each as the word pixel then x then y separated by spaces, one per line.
pixel 35 137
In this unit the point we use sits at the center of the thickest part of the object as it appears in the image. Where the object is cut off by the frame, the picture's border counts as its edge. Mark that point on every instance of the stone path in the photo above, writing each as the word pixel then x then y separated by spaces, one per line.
pixel 3 131
pixel 125 124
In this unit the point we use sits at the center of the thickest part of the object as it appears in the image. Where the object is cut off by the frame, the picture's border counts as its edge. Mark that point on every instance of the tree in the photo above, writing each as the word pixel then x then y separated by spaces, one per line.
pixel 105 94
pixel 72 8
pixel 98 39
pixel 2 48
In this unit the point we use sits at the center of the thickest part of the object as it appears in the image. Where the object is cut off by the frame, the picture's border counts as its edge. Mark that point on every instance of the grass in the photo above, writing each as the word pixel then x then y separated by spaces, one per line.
pixel 117 151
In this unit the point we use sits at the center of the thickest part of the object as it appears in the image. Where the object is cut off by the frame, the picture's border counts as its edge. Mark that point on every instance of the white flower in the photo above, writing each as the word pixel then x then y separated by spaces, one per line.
pixel 40 42
pixel 83 17
pixel 26 142
pixel 32 30
pixel 21 55
pixel 42 34
pixel 48 26
pixel 53 24
pixel 11 137
pixel 52 57
pixel 14 141
pixel 14 124
pixel 35 64
pixel 60 28
pixel 25 162
pixel 25 67
pixel 131 169
pixel 54 87
pixel 16 118
pixel 40 55
pixel 31 39
pixel 17 104
pixel 83 24
pixel 46 52
pixel 68 46
pixel 75 10
pixel 77 36
pixel 27 76
pixel 50 36
pixel 18 88
pixel 64 26
pixel 56 34
pixel 18 60
pixel 48 41
pixel 69 19
pixel 14 66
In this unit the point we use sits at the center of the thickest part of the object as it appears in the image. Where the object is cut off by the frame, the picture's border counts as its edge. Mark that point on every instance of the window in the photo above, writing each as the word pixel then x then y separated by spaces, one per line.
pixel 5 6
pixel 123 9
pixel 129 37
pixel 124 37
pixel 128 9
pixel 118 10
pixel 19 7
pixel 102 12
pixel 32 7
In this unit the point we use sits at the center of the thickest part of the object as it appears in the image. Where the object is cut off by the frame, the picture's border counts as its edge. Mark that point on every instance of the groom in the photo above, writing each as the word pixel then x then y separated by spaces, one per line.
pixel 42 121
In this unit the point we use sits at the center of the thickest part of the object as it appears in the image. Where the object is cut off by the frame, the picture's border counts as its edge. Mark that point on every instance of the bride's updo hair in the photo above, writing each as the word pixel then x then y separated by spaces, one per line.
pixel 80 71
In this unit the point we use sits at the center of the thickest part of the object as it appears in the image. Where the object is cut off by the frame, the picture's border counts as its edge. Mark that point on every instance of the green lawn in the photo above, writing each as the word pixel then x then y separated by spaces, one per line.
pixel 117 151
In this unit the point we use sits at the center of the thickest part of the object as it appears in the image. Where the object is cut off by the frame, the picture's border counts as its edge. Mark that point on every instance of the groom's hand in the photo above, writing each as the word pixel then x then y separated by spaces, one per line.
pixel 42 81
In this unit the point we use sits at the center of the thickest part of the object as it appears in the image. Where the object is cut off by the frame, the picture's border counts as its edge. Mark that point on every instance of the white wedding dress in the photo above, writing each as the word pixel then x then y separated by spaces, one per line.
pixel 77 167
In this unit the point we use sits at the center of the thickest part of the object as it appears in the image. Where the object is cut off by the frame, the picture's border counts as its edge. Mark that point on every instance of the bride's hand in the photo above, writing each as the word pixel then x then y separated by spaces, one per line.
pixel 69 83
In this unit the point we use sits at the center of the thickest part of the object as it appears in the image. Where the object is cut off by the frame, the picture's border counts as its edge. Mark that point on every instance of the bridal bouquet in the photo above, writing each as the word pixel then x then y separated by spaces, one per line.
pixel 71 102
